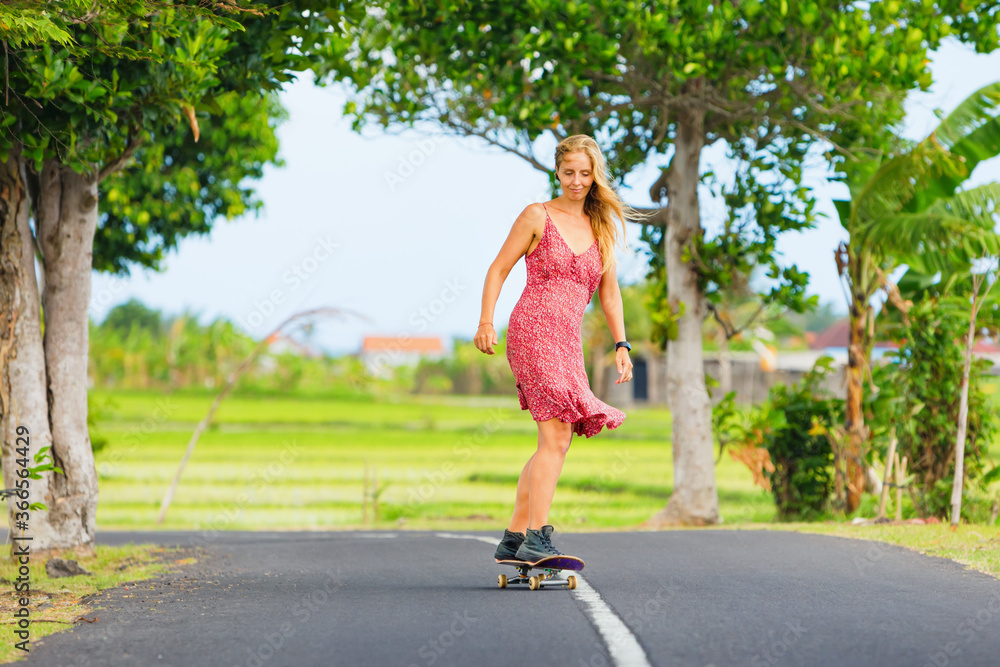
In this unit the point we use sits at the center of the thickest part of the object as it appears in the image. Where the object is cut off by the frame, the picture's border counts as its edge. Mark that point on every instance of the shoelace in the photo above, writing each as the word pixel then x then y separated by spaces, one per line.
pixel 547 541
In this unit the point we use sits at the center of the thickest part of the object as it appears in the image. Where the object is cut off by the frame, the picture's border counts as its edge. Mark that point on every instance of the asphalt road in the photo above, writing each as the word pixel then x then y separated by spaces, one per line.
pixel 703 597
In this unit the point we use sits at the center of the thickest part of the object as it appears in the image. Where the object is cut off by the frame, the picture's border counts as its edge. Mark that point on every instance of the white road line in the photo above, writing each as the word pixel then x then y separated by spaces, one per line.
pixel 459 536
pixel 622 645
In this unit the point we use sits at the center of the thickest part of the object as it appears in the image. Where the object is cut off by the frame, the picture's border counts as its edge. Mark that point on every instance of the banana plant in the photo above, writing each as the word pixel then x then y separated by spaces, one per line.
pixel 908 208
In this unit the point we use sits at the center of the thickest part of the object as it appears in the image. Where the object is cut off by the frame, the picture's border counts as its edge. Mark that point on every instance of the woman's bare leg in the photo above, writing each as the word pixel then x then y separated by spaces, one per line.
pixel 554 439
pixel 519 520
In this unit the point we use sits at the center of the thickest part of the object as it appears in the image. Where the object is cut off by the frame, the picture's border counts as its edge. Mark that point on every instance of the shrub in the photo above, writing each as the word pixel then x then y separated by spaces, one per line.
pixel 785 442
pixel 923 387
pixel 800 450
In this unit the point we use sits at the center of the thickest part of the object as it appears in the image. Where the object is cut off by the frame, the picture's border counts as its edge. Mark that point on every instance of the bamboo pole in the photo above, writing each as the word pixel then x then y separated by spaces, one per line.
pixel 900 476
pixel 203 424
pixel 364 497
pixel 375 516
pixel 887 478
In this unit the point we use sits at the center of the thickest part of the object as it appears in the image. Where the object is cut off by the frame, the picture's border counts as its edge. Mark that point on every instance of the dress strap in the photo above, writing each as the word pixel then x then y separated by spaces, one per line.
pixel 546 211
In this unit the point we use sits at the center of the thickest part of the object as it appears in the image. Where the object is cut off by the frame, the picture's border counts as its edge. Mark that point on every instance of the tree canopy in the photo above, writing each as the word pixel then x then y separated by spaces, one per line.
pixel 655 83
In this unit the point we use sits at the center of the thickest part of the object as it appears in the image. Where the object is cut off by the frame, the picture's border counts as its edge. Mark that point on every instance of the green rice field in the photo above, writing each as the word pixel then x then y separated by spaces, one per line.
pixel 289 462
pixel 442 463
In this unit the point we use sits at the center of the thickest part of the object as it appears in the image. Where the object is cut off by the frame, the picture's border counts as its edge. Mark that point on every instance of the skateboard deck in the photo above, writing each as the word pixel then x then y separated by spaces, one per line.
pixel 549 567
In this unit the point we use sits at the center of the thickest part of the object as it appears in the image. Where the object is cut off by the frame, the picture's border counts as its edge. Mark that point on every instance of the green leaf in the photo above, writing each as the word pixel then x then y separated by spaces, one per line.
pixel 975 111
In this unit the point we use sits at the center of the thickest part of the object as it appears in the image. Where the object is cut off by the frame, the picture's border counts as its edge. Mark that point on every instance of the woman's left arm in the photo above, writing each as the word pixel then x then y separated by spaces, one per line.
pixel 610 295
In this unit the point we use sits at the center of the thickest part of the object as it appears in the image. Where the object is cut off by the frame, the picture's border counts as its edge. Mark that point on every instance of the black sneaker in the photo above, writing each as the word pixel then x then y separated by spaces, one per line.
pixel 537 545
pixel 547 536
pixel 507 549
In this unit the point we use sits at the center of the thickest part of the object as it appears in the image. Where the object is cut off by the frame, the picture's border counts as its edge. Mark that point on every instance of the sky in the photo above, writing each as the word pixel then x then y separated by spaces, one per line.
pixel 398 230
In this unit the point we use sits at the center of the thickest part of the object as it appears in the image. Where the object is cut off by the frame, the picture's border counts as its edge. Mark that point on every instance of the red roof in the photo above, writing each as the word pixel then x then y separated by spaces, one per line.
pixel 402 344
pixel 838 334
pixel 277 336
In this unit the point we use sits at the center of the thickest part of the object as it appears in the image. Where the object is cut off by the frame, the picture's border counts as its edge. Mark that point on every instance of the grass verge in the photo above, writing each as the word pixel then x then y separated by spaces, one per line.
pixel 975 546
pixel 57 604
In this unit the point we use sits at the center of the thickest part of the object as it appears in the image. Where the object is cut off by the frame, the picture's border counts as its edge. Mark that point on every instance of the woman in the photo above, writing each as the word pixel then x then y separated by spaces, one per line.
pixel 544 345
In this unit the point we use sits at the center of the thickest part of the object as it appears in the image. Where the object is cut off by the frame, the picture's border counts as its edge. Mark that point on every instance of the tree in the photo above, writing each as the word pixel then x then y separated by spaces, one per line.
pixel 178 185
pixel 920 394
pixel 73 119
pixel 963 410
pixel 133 313
pixel 905 207
pixel 657 83
pixel 92 89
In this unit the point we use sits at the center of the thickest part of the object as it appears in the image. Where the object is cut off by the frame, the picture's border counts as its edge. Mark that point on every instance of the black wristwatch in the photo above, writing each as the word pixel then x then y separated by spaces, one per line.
pixel 623 343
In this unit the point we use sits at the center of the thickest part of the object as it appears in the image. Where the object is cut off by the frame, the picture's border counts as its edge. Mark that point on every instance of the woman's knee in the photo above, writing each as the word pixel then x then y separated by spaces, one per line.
pixel 555 435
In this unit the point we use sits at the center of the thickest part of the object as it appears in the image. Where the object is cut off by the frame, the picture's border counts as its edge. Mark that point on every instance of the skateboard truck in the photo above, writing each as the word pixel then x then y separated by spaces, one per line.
pixel 548 569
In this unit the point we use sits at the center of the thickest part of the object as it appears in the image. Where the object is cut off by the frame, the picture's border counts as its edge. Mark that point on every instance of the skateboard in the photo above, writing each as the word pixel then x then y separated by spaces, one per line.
pixel 549 568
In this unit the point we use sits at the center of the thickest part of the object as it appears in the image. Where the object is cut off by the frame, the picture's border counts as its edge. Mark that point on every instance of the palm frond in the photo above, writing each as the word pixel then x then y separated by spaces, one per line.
pixel 915 280
pixel 979 145
pixel 843 207
pixel 894 184
pixel 928 231
pixel 979 206
pixel 947 262
pixel 897 234
pixel 947 237
pixel 975 111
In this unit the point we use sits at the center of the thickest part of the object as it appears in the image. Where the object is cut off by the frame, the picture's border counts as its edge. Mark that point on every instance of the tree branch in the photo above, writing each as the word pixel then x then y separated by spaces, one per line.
pixel 482 134
pixel 726 328
pixel 134 141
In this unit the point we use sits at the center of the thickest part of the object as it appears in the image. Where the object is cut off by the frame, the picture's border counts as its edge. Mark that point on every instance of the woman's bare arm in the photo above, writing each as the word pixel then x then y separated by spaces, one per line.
pixel 527 225
pixel 610 295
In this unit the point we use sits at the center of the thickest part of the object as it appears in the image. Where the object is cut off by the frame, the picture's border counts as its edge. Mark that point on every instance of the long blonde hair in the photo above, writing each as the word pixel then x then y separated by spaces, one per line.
pixel 602 200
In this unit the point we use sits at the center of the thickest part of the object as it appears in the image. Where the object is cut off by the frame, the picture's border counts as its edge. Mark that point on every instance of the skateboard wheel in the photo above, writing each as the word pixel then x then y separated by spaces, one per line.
pixel 571 580
pixel 502 581
pixel 534 583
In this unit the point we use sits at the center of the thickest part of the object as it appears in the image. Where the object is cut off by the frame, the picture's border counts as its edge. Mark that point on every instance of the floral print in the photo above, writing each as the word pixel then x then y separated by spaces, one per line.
pixel 544 336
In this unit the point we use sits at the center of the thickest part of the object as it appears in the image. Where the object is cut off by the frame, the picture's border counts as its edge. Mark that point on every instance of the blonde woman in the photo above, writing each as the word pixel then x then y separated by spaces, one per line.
pixel 568 246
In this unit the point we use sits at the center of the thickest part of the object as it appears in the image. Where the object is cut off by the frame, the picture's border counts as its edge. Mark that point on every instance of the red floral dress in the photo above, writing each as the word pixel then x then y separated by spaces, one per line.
pixel 544 337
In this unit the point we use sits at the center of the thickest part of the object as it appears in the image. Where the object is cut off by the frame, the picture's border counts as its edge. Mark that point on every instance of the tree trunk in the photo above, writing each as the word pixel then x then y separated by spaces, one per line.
pixel 23 401
pixel 67 220
pixel 655 367
pixel 854 414
pixel 695 500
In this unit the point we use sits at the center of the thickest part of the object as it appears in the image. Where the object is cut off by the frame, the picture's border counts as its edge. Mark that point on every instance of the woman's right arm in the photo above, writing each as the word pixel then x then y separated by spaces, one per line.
pixel 528 225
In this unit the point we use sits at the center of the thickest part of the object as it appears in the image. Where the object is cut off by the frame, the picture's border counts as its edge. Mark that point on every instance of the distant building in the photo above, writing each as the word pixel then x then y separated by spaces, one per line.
pixel 751 374
pixel 379 353
pixel 835 339
pixel 279 343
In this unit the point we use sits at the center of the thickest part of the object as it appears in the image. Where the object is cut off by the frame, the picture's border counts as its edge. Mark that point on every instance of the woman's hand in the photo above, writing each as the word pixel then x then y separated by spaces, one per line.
pixel 486 338
pixel 623 364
